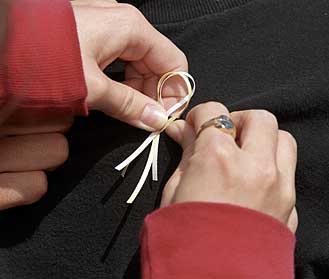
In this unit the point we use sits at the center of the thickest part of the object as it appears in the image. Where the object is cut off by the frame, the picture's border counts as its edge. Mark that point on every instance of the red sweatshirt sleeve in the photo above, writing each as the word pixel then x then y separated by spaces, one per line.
pixel 42 67
pixel 208 240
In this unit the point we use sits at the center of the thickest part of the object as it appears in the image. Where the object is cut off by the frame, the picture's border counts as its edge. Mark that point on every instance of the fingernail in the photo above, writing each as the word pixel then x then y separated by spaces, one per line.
pixel 154 116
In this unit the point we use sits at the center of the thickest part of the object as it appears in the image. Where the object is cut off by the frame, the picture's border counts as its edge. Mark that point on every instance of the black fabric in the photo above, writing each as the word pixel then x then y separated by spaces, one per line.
pixel 267 54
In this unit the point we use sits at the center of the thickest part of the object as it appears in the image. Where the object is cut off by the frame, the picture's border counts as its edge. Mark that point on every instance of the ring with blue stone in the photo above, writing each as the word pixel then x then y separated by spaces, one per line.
pixel 223 123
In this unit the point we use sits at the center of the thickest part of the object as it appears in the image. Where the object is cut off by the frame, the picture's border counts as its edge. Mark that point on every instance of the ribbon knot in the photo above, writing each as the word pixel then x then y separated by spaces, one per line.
pixel 173 113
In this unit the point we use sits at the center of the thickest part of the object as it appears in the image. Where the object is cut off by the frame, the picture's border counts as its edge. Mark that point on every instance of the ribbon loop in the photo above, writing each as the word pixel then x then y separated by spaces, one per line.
pixel 173 113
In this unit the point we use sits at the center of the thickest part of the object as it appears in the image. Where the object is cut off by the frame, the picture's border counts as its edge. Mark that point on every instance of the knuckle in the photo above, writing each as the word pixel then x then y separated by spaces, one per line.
pixel 223 151
pixel 211 106
pixel 39 188
pixel 217 146
pixel 98 86
pixel 127 106
pixel 289 139
pixel 61 147
pixel 265 116
pixel 132 13
pixel 269 175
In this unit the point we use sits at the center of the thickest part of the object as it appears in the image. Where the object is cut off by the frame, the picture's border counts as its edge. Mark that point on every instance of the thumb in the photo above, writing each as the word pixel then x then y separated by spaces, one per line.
pixel 182 133
pixel 125 104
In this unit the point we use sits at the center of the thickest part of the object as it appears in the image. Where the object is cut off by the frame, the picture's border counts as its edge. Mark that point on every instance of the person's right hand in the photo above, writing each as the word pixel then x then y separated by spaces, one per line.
pixel 257 171
pixel 27 150
pixel 109 31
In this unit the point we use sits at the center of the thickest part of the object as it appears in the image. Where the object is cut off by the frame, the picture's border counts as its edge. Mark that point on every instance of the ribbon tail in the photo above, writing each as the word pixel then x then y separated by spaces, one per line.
pixel 143 177
pixel 155 158
pixel 137 152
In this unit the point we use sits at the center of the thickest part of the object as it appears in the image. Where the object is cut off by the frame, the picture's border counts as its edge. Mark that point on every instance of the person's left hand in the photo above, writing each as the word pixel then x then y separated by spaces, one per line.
pixel 29 148
pixel 109 31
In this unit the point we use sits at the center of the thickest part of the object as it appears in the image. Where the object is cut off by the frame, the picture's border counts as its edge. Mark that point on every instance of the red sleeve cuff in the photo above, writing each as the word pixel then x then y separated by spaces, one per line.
pixel 208 240
pixel 42 66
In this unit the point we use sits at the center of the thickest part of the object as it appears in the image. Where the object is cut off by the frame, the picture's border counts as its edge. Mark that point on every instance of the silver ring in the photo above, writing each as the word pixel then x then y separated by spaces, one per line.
pixel 223 123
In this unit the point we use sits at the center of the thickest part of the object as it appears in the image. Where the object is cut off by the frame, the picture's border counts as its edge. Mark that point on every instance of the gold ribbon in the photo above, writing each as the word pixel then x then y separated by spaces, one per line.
pixel 173 113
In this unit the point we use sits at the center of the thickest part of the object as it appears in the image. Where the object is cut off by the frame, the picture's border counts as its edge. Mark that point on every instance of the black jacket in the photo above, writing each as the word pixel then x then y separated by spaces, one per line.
pixel 267 54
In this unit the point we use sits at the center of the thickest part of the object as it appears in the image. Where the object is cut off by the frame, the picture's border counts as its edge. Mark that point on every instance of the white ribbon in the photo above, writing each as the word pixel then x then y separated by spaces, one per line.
pixel 173 113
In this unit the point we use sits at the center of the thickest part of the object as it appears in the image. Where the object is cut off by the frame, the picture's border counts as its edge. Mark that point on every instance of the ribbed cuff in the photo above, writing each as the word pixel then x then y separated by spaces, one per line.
pixel 43 66
pixel 208 240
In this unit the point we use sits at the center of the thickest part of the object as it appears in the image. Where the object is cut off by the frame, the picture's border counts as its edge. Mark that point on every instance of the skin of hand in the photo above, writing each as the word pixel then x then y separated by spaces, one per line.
pixel 27 150
pixel 109 31
pixel 31 144
pixel 256 171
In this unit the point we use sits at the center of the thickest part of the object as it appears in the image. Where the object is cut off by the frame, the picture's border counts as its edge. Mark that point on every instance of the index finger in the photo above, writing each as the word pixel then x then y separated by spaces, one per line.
pixel 257 132
pixel 145 43
pixel 204 112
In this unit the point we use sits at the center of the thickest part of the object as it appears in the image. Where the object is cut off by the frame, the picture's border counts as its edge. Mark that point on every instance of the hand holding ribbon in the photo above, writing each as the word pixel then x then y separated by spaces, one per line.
pixel 173 113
